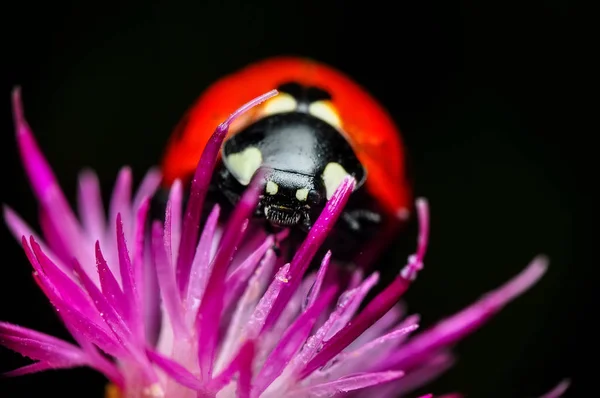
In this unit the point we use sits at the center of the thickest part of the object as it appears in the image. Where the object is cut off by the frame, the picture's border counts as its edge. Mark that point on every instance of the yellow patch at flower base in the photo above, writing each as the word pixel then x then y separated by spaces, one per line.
pixel 112 391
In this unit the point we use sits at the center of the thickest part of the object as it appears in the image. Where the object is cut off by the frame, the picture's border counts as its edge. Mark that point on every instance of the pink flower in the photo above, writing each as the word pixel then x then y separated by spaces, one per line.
pixel 201 311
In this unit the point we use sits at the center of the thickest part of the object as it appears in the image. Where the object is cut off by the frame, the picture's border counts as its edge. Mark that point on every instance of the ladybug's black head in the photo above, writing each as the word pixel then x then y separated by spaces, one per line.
pixel 304 160
pixel 290 198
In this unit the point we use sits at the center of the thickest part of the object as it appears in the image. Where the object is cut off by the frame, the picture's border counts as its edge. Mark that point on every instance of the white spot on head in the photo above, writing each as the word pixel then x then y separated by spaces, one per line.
pixel 271 188
pixel 325 111
pixel 244 164
pixel 333 175
pixel 279 104
pixel 302 194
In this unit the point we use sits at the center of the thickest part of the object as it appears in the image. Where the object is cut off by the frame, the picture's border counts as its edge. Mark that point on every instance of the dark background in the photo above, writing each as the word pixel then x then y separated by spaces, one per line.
pixel 479 91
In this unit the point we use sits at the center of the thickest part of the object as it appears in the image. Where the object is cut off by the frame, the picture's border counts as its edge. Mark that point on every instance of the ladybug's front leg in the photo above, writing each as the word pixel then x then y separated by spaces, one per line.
pixel 358 219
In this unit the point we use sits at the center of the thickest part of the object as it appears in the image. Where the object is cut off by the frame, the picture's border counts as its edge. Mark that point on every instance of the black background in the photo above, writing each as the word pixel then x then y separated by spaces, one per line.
pixel 479 91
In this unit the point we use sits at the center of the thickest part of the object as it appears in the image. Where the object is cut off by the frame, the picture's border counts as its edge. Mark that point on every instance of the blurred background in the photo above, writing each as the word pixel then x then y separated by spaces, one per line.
pixel 479 90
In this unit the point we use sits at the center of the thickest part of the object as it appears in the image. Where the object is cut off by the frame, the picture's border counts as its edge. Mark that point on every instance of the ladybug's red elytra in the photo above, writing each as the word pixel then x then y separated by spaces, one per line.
pixel 320 128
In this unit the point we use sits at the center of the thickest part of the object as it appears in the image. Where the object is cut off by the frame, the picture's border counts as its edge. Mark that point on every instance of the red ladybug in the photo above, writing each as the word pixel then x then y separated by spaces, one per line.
pixel 321 127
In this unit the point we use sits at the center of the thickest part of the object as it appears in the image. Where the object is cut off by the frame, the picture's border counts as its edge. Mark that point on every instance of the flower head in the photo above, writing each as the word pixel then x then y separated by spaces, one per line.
pixel 190 310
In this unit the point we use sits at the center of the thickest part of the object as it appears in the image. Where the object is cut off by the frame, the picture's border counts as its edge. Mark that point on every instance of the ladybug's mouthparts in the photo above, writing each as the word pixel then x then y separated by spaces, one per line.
pixel 283 216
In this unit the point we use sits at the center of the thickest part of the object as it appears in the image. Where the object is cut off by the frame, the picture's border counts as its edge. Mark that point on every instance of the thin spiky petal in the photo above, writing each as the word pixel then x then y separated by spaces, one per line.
pixel 44 182
pixel 381 304
pixel 242 364
pixel 69 305
pixel 68 290
pixel 430 370
pixel 559 390
pixel 347 384
pixel 40 347
pixel 175 370
pixel 168 286
pixel 89 200
pixel 202 266
pixel 108 282
pixel 469 319
pixel 291 341
pixel 53 238
pixel 109 314
pixel 311 244
pixel 141 300
pixel 212 302
pixel 257 321
pixel 173 226
pixel 237 278
pixel 130 293
pixel 147 187
pixel 35 368
pixel 236 332
pixel 353 298
pixel 200 184
pixel 371 353
pixel 316 287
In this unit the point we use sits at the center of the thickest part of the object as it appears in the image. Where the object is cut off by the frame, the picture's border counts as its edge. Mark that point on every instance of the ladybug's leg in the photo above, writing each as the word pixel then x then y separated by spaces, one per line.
pixel 357 218
pixel 373 233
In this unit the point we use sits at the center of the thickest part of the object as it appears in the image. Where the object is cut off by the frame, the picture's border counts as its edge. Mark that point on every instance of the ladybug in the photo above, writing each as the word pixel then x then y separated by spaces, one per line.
pixel 321 127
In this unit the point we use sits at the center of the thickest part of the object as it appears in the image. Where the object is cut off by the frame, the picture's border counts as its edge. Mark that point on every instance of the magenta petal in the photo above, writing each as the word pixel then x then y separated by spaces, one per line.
pixel 147 187
pixel 211 306
pixel 245 371
pixel 91 208
pixel 174 230
pixel 201 182
pixel 40 347
pixel 175 370
pixel 264 307
pixel 454 328
pixel 34 368
pixel 432 368
pixel 201 267
pixel 381 304
pixel 80 322
pixel 372 352
pixel 78 313
pixel 237 328
pixel 130 294
pixel 43 181
pixel 137 263
pixel 374 310
pixel 559 390
pixel 110 287
pixel 120 203
pixel 19 228
pixel 108 312
pixel 68 289
pixel 351 300
pixel 168 287
pixel 242 364
pixel 291 342
pixel 52 236
pixel 311 244
pixel 235 281
pixel 316 287
pixel 347 384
